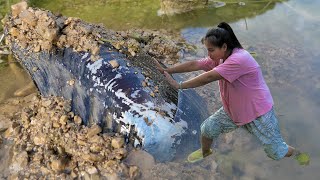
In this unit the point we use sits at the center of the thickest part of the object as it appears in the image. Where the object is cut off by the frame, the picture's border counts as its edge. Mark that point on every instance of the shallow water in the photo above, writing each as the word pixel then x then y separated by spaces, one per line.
pixel 285 37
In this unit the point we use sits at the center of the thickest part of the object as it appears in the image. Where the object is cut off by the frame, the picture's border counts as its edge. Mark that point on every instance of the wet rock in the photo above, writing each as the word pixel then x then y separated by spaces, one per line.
pixel 71 82
pixel 114 63
pixel 135 157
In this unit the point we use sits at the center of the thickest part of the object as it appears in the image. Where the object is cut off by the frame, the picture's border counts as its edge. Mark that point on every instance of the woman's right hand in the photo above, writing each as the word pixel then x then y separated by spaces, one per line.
pixel 171 81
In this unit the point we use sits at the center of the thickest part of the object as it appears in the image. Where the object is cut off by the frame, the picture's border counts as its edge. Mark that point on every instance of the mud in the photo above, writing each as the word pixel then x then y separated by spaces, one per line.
pixel 40 30
pixel 49 141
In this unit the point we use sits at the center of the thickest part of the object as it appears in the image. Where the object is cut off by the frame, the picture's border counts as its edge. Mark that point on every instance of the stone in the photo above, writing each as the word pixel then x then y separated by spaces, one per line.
pixel 46 103
pixel 8 133
pixel 28 17
pixel 94 130
pixel 114 63
pixel 55 125
pixel 134 172
pixel 39 140
pixel 117 142
pixel 16 9
pixel 92 157
pixel 135 158
pixel 63 119
pixel 14 32
pixel 77 120
pixel 95 148
pixel 57 165
pixel 19 162
pixel 91 170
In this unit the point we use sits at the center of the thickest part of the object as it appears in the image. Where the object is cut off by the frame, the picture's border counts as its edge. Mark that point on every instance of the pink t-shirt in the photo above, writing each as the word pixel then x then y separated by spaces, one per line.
pixel 244 93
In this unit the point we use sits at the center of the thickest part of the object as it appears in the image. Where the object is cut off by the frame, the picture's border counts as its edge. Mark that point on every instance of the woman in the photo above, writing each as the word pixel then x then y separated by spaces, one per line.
pixel 246 98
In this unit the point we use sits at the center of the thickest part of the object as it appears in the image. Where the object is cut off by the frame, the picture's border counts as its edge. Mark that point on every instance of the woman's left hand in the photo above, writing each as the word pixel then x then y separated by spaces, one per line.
pixel 171 81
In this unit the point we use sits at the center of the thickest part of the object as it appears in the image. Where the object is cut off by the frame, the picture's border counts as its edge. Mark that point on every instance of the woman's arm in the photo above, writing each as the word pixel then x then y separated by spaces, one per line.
pixel 184 67
pixel 180 68
pixel 200 80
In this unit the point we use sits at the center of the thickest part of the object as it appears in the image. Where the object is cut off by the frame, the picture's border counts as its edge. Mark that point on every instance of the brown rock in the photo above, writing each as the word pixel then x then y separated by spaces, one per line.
pixel 63 119
pixel 14 32
pixel 8 133
pixel 44 170
pixel 95 139
pixel 77 120
pixel 117 142
pixel 20 161
pixel 94 130
pixel 46 103
pixel 81 143
pixel 95 148
pixel 109 163
pixel 28 17
pixel 16 9
pixel 91 170
pixel 55 125
pixel 39 140
pixel 134 172
pixel 134 158
pixel 92 157
pixel 112 176
pixel 114 63
pixel 57 165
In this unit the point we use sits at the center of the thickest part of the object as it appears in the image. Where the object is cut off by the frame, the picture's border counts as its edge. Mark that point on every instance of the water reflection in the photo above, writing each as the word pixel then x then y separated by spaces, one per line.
pixel 143 13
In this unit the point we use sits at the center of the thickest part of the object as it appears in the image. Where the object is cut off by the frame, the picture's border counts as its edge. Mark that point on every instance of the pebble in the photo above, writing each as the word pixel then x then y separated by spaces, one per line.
pixel 114 63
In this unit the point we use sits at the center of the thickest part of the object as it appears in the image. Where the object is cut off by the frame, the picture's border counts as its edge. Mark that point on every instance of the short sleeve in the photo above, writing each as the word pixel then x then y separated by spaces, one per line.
pixel 206 64
pixel 231 69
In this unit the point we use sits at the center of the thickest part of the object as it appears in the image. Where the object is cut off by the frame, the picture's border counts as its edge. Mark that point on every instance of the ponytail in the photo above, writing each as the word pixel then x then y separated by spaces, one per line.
pixel 223 34
pixel 234 38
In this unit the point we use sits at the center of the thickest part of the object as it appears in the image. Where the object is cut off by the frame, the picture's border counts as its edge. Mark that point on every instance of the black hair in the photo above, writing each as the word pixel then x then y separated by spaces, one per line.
pixel 222 34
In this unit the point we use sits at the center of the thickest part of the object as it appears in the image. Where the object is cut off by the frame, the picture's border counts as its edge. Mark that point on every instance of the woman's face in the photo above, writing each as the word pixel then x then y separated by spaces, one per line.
pixel 216 53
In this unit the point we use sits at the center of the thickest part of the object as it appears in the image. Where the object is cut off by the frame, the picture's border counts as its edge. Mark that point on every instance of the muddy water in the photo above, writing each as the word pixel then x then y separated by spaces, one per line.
pixel 284 37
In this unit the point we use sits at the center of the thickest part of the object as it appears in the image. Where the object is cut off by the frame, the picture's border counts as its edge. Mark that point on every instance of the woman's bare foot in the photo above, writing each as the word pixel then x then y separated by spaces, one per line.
pixel 291 151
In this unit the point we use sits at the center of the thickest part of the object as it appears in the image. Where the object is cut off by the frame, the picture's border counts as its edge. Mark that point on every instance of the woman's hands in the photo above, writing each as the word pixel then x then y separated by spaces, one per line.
pixel 164 71
pixel 171 81
pixel 159 67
